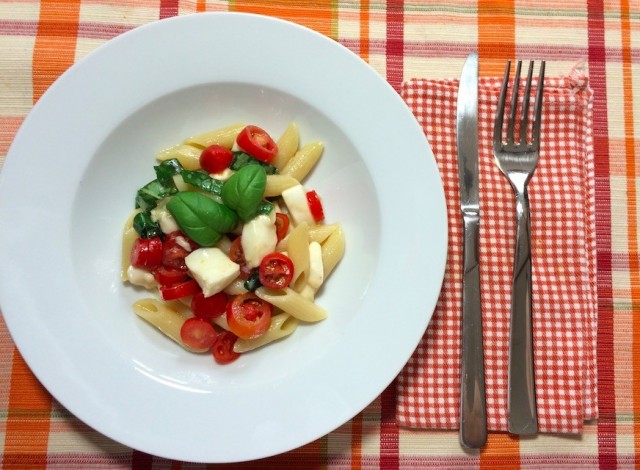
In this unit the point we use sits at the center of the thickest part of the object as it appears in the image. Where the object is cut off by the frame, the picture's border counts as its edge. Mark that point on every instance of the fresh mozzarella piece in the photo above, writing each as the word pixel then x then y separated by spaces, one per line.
pixel 161 215
pixel 316 271
pixel 212 269
pixel 258 239
pixel 296 200
pixel 140 277
pixel 224 175
pixel 180 240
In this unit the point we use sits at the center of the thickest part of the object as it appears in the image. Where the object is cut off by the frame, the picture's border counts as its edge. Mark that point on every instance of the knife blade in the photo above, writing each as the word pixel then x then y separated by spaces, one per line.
pixel 473 413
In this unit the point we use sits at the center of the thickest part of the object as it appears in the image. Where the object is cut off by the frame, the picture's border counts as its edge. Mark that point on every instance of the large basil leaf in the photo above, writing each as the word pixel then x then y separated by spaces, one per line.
pixel 243 192
pixel 201 218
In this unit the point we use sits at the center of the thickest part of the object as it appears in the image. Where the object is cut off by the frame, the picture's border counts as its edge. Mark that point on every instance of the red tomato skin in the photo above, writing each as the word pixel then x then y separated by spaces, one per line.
pixel 173 254
pixel 248 316
pixel 236 254
pixel 222 349
pixel 215 158
pixel 209 307
pixel 275 271
pixel 282 225
pixel 198 333
pixel 315 206
pixel 146 253
pixel 178 291
pixel 257 143
pixel 169 276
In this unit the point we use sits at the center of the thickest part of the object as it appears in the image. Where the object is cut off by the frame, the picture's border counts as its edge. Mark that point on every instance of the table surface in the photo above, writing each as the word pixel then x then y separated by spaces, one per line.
pixel 401 40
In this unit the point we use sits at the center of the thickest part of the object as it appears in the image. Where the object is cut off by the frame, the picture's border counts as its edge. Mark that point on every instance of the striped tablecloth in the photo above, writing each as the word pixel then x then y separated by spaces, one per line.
pixel 401 40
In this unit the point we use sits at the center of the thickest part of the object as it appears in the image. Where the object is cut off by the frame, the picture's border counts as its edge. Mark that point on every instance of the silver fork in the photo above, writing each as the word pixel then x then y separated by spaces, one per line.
pixel 517 158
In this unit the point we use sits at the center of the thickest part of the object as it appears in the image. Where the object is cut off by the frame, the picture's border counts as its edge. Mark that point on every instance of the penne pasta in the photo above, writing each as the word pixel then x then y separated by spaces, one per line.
pixel 166 317
pixel 332 251
pixel 288 144
pixel 225 136
pixel 282 325
pixel 187 155
pixel 278 183
pixel 319 233
pixel 129 236
pixel 303 161
pixel 298 251
pixel 292 303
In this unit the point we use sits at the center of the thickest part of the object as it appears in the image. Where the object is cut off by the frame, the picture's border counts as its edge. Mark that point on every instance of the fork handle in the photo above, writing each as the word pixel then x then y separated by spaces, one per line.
pixel 522 413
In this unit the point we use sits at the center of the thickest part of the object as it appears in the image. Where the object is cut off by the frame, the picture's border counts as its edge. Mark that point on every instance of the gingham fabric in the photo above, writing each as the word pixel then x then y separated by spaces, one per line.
pixel 402 40
pixel 563 254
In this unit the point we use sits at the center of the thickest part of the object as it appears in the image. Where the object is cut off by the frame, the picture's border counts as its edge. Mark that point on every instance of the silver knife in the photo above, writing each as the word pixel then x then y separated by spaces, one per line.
pixel 473 410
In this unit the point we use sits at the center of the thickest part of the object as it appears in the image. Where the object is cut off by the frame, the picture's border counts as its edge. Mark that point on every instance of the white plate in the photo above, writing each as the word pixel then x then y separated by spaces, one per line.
pixel 68 184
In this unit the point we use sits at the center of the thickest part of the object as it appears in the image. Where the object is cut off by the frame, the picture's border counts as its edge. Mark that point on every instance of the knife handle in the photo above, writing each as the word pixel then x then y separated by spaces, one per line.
pixel 473 408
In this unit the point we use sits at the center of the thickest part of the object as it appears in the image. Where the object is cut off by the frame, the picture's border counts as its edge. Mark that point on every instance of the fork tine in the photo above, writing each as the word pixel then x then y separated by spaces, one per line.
pixel 524 120
pixel 537 110
pixel 497 123
pixel 514 104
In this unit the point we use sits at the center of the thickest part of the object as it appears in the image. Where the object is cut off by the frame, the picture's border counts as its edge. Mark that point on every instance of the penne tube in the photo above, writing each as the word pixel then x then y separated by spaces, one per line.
pixel 282 325
pixel 319 233
pixel 236 287
pixel 225 136
pixel 278 183
pixel 187 155
pixel 165 316
pixel 129 236
pixel 303 161
pixel 292 303
pixel 288 144
pixel 332 251
pixel 298 251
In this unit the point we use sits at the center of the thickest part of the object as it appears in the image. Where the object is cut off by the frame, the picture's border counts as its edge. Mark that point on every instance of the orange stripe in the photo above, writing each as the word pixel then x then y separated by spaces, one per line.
pixel 27 435
pixel 364 30
pixel 316 14
pixel 502 451
pixel 55 46
pixel 496 35
pixel 201 6
pixel 356 442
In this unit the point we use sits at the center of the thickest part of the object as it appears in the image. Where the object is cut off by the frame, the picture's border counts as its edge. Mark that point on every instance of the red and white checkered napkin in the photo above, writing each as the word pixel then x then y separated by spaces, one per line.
pixel 563 263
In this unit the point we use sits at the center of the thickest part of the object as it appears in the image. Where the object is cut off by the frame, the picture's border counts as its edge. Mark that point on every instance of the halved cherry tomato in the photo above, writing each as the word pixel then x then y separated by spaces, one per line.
pixel 174 252
pixel 215 158
pixel 198 333
pixel 276 271
pixel 315 206
pixel 257 143
pixel 282 225
pixel 209 307
pixel 146 253
pixel 178 291
pixel 222 349
pixel 169 276
pixel 248 315
pixel 236 254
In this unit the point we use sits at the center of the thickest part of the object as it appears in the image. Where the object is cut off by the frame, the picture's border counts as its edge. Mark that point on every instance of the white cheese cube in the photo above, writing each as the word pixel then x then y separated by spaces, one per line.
pixel 223 175
pixel 164 218
pixel 296 200
pixel 212 269
pixel 316 270
pixel 258 239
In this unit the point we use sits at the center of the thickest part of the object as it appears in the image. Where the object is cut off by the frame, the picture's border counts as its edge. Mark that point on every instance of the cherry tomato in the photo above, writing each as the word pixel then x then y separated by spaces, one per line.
pixel 282 225
pixel 236 254
pixel 222 349
pixel 315 206
pixel 209 307
pixel 215 158
pixel 174 252
pixel 198 334
pixel 276 271
pixel 169 276
pixel 146 253
pixel 257 143
pixel 248 316
pixel 178 291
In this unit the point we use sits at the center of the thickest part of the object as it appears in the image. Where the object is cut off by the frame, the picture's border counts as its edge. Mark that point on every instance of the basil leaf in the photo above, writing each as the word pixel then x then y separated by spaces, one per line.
pixel 264 208
pixel 201 218
pixel 145 226
pixel 203 181
pixel 242 159
pixel 243 192
pixel 166 170
pixel 148 196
